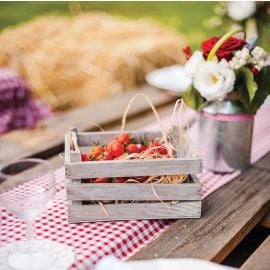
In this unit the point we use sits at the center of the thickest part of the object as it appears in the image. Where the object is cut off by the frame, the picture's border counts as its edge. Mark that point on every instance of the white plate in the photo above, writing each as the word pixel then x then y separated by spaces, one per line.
pixel 112 263
pixel 170 78
pixel 53 255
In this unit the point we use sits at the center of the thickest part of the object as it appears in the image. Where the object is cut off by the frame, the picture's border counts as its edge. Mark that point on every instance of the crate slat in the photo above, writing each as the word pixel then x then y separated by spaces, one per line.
pixel 151 192
pixel 114 168
pixel 70 155
pixel 132 211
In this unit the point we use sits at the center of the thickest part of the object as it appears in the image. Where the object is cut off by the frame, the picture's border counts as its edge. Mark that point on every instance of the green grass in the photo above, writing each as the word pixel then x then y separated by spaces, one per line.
pixel 186 17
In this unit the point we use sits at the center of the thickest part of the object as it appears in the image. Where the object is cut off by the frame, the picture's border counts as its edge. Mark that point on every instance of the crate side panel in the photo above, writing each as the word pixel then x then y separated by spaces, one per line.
pixel 132 211
pixel 151 192
pixel 93 169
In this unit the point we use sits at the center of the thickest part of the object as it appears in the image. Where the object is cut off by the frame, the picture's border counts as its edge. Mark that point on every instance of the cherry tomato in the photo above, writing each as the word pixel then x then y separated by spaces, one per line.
pixel 97 150
pixel 108 147
pixel 152 144
pixel 117 149
pixel 108 156
pixel 102 180
pixel 123 138
pixel 142 148
pixel 162 150
pixel 156 147
pixel 121 179
pixel 85 157
pixel 100 157
pixel 141 179
pixel 133 148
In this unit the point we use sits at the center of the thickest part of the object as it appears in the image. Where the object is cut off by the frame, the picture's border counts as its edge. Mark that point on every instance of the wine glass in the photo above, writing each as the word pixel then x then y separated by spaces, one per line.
pixel 27 187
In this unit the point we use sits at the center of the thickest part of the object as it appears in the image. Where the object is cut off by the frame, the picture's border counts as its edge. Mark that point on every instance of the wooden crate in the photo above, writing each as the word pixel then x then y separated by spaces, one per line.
pixel 142 201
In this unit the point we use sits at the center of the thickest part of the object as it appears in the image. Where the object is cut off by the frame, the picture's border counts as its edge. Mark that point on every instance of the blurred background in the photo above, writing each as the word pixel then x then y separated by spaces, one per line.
pixel 73 54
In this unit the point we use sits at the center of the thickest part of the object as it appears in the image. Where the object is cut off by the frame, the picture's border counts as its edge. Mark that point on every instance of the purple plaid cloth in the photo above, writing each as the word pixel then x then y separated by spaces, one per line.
pixel 17 109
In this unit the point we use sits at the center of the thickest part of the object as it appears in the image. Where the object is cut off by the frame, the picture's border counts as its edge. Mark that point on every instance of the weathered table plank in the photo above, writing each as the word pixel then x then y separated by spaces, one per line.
pixel 260 259
pixel 266 221
pixel 229 214
pixel 47 139
pixel 265 164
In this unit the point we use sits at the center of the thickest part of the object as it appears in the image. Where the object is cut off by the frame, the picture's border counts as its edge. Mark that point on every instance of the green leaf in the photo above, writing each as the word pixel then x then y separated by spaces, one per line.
pixel 246 85
pixel 263 82
pixel 193 98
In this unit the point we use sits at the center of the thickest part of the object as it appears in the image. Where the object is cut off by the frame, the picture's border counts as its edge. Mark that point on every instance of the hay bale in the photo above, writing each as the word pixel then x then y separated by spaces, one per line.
pixel 75 61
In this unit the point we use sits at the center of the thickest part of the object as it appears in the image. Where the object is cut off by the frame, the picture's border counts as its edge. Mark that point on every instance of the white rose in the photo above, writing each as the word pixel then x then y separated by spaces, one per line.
pixel 240 10
pixel 194 63
pixel 214 80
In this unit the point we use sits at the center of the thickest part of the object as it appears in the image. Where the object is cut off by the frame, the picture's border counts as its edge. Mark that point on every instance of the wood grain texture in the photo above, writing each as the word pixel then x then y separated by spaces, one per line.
pixel 135 167
pixel 265 222
pixel 48 138
pixel 260 259
pixel 228 216
pixel 150 192
pixel 133 211
pixel 264 163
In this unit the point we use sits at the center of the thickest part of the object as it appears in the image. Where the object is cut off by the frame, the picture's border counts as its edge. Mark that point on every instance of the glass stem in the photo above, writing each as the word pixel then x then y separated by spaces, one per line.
pixel 30 228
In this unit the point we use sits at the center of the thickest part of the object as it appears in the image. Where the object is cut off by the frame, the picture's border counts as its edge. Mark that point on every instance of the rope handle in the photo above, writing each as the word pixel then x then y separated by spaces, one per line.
pixel 124 118
pixel 72 125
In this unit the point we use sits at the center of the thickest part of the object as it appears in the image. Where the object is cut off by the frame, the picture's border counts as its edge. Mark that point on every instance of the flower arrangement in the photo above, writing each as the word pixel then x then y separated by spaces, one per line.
pixel 227 68
pixel 238 12
pixel 253 16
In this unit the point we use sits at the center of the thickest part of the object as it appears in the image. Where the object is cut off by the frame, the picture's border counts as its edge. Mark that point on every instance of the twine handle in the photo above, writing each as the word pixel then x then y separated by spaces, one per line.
pixel 151 106
pixel 72 125
pixel 212 54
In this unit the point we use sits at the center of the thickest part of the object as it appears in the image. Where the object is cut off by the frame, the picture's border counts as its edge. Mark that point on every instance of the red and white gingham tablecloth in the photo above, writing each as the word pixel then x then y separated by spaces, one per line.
pixel 92 241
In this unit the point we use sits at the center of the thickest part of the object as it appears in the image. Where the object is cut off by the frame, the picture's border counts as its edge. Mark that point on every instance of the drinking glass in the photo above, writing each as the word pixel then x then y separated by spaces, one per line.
pixel 27 188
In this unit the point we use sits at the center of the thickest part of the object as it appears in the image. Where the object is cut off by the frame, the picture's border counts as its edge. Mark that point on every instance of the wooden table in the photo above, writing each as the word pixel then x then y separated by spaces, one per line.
pixel 229 213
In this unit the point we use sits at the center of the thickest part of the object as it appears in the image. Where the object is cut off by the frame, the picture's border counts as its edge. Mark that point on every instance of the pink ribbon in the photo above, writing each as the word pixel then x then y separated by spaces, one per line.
pixel 228 117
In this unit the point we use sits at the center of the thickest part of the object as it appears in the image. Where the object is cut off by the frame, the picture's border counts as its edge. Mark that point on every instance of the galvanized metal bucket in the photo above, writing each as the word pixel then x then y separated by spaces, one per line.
pixel 225 136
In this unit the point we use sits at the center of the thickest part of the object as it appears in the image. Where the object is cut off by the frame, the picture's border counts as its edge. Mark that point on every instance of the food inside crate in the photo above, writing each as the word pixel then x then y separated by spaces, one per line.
pixel 125 147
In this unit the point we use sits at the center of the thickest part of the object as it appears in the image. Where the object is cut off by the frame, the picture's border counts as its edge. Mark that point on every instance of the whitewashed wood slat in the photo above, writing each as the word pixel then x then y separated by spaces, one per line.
pixel 67 148
pixel 151 192
pixel 132 211
pixel 70 155
pixel 122 168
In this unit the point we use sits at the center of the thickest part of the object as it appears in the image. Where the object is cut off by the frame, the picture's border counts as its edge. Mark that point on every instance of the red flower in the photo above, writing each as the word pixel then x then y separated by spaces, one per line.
pixel 226 50
pixel 255 71
pixel 188 52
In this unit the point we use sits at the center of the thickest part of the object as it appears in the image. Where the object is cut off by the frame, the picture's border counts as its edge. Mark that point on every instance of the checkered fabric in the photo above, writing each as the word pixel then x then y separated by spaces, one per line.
pixel 92 241
pixel 17 109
